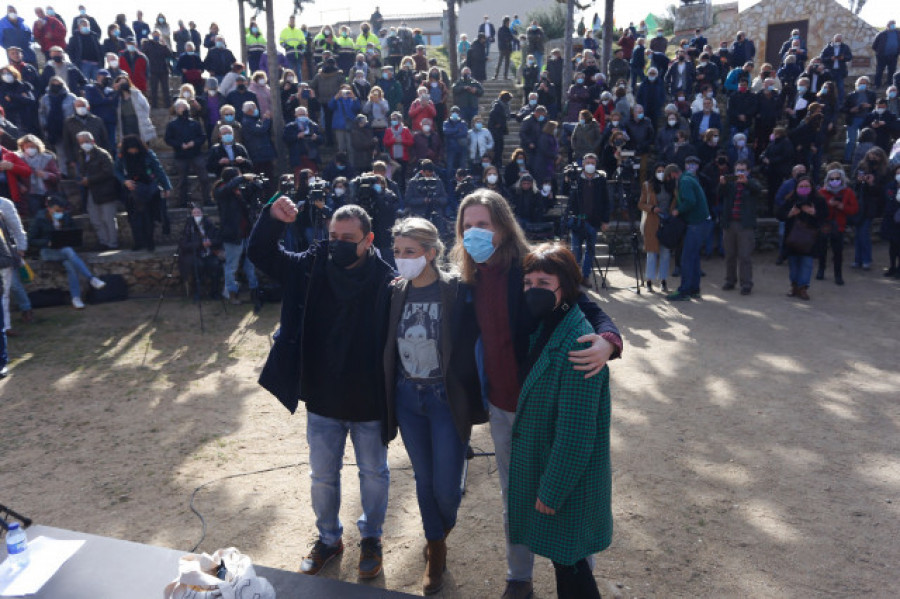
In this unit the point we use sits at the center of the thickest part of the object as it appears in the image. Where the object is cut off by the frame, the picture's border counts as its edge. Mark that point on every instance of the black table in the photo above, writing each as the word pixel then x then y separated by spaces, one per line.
pixel 148 569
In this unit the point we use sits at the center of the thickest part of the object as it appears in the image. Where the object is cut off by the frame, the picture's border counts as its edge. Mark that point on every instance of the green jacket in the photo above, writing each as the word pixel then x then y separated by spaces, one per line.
pixel 691 205
pixel 560 453
pixel 749 200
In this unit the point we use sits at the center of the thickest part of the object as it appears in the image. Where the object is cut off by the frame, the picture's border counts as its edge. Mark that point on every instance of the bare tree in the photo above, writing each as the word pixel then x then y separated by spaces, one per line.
pixel 277 116
pixel 607 36
pixel 567 45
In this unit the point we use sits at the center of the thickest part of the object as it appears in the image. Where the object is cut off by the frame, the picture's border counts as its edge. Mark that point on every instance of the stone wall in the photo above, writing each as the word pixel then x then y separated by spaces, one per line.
pixel 826 18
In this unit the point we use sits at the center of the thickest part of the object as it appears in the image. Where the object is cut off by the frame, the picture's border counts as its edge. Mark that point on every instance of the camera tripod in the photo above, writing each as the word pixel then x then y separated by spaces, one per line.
pixel 627 207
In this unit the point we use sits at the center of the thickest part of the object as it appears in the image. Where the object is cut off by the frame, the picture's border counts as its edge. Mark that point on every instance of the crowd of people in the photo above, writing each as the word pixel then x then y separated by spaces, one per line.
pixel 389 159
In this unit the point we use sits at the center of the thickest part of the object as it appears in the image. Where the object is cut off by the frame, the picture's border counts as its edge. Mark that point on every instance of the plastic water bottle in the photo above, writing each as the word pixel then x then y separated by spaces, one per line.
pixel 17 546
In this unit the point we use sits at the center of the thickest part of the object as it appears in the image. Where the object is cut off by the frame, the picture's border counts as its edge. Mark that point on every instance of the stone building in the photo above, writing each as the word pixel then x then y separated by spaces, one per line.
pixel 769 24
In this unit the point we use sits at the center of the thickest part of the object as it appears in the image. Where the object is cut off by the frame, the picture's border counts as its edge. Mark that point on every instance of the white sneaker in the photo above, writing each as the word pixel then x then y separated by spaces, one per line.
pixel 77 303
pixel 97 283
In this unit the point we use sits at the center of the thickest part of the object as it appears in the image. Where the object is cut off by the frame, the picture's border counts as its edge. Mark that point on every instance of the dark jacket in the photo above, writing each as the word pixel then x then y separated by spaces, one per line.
pixel 816 221
pixel 218 61
pixel 879 44
pixel 828 54
pixel 100 173
pixel 82 46
pixel 256 134
pixel 41 230
pixel 715 122
pixel 181 130
pixel 299 148
pixel 234 213
pixel 459 334
pixel 158 55
pixel 590 198
pixel 104 104
pixel 303 277
pixel 217 152
pixel 749 199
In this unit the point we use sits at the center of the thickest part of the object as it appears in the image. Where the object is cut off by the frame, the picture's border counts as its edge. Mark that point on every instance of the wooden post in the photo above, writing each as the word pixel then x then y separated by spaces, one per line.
pixel 242 33
pixel 607 38
pixel 567 49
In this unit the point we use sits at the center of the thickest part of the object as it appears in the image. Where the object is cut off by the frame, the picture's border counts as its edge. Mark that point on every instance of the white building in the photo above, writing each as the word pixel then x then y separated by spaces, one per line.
pixel 471 14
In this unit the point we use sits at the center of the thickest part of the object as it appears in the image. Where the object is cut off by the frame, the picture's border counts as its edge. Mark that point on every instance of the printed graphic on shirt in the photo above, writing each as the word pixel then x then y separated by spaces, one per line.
pixel 417 341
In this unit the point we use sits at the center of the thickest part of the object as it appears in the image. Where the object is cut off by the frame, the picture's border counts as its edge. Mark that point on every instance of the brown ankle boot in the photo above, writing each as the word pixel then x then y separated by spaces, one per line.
pixel 433 580
pixel 802 294
pixel 793 292
pixel 425 547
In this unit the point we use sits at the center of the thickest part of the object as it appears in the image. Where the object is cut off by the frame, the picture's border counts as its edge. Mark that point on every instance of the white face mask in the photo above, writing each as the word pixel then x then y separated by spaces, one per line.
pixel 113 64
pixel 31 151
pixel 614 123
pixel 546 189
pixel 590 168
pixel 211 92
pixel 492 178
pixel 81 110
pixel 660 176
pixel 410 268
pixel 339 191
pixel 673 122
pixel 8 77
pixel 87 147
pixel 426 128
pixel 198 219
pixel 185 94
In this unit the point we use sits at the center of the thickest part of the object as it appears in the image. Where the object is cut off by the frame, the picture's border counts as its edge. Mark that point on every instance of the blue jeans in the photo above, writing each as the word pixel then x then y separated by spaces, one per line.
pixel 839 85
pixel 660 260
pixel 538 60
pixel 690 257
pixel 801 268
pixel 853 127
pixel 19 295
pixel 89 69
pixel 326 438
pixel 73 264
pixel 456 159
pixel 863 243
pixel 435 450
pixel 588 237
pixel 233 253
pixel 4 357
pixel 714 239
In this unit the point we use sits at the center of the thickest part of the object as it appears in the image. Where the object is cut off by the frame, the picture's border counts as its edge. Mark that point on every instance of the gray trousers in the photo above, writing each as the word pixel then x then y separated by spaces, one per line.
pixel 103 219
pixel 519 558
pixel 738 244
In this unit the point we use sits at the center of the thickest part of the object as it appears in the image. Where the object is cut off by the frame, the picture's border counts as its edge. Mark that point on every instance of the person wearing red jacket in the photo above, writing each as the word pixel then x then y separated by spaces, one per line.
pixel 841 203
pixel 397 141
pixel 49 31
pixel 13 171
pixel 135 63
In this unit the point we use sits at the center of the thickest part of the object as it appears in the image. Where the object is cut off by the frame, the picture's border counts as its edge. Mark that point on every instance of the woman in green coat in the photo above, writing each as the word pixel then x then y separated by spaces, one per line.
pixel 560 478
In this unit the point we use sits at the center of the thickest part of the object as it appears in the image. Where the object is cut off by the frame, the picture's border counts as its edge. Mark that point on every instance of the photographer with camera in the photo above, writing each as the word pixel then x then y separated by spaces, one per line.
pixel 372 193
pixel 314 212
pixel 588 211
pixel 426 195
pixel 198 254
pixel 527 202
pixel 236 219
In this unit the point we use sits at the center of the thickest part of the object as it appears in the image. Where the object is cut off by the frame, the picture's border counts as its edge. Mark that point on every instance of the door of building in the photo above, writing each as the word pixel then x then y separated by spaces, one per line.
pixel 777 34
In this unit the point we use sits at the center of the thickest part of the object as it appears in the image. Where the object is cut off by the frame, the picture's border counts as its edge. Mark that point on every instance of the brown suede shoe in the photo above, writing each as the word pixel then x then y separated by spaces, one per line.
pixel 369 558
pixel 802 293
pixel 433 580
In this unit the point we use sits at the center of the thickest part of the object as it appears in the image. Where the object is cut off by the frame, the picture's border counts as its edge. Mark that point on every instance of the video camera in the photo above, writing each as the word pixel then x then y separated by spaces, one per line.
pixel 287 187
pixel 252 189
pixel 628 166
pixel 429 186
pixel 317 190
pixel 465 187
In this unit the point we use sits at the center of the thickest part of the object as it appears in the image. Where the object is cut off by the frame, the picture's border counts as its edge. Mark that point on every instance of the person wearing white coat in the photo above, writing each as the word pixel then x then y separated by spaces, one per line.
pixel 480 140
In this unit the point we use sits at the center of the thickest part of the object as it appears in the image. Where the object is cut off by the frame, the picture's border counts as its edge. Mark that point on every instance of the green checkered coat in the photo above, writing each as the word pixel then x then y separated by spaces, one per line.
pixel 560 453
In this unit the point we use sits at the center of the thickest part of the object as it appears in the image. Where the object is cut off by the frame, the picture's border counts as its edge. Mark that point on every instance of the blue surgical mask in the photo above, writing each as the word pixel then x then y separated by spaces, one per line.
pixel 541 118
pixel 532 102
pixel 84 30
pixel 376 187
pixel 256 112
pixel 220 44
pixel 801 89
pixel 228 118
pixel 861 87
pixel 520 161
pixel 479 126
pixel 228 138
pixel 639 116
pixel 454 116
pixel 479 244
pixel 58 215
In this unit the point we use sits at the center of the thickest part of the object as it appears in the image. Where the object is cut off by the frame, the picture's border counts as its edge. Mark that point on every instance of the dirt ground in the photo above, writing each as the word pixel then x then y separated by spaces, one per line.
pixel 755 443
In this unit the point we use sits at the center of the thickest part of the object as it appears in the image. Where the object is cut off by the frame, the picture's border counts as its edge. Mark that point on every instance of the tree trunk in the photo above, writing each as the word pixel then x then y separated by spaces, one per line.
pixel 607 38
pixel 242 25
pixel 451 43
pixel 567 50
pixel 277 116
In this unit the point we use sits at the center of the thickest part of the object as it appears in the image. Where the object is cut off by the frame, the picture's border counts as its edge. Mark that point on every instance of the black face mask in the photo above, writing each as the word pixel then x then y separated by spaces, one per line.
pixel 242 88
pixel 342 253
pixel 55 88
pixel 56 58
pixel 540 302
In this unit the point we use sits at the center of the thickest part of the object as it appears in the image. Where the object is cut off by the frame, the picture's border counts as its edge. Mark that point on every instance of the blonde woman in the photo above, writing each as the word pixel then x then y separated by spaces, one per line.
pixel 433 391
pixel 44 171
pixel 379 113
